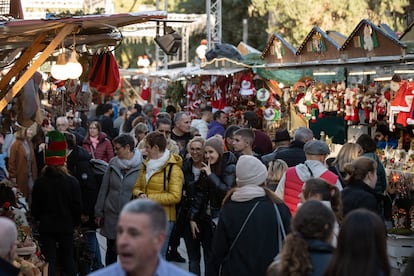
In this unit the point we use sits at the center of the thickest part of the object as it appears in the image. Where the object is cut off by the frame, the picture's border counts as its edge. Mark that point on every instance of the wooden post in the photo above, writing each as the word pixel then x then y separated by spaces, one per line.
pixel 66 30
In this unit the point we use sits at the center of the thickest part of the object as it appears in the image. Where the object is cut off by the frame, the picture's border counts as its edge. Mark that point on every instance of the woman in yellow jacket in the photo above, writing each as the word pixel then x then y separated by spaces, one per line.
pixel 161 178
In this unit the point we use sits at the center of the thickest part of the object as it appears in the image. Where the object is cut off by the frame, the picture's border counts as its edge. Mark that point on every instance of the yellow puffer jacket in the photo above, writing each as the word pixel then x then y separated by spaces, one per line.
pixel 169 196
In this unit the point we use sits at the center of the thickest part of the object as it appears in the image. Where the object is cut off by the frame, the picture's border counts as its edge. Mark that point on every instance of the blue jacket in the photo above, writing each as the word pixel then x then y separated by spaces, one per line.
pixel 164 268
pixel 215 128
pixel 320 254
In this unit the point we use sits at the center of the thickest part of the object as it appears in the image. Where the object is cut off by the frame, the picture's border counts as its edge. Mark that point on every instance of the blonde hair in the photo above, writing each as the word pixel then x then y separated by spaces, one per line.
pixel 276 169
pixel 348 153
pixel 199 139
pixel 21 133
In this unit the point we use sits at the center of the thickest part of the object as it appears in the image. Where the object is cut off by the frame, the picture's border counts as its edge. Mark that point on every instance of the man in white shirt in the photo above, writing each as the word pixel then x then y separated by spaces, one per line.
pixel 202 123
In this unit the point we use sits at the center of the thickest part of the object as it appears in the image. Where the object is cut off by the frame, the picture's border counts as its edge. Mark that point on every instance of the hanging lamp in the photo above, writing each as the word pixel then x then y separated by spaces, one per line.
pixel 73 67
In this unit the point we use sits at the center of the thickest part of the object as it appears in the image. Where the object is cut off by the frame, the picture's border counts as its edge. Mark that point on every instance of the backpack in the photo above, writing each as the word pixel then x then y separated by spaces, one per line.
pixel 99 168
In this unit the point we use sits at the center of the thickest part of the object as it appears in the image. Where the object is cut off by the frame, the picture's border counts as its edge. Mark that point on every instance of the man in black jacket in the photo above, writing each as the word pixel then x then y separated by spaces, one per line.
pixel 294 154
pixel 136 111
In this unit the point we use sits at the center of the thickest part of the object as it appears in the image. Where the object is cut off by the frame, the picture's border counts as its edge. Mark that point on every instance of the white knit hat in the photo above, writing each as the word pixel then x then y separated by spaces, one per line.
pixel 250 171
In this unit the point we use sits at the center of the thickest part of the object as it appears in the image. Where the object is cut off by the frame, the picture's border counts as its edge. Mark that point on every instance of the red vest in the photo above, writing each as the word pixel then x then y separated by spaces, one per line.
pixel 293 187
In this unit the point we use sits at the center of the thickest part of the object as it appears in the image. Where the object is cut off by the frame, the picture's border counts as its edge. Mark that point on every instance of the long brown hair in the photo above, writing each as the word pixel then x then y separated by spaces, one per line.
pixel 313 220
pixel 327 192
pixel 362 246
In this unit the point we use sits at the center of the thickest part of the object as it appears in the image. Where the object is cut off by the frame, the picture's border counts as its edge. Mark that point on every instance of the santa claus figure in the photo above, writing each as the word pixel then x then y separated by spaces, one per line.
pixel 351 109
pixel 402 103
pixel 247 88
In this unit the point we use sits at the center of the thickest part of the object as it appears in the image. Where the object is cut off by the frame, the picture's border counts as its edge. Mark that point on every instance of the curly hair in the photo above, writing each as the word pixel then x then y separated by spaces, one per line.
pixel 313 220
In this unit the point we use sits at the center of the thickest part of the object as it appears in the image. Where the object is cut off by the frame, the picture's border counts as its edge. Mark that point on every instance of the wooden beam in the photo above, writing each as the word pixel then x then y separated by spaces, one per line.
pixel 66 30
pixel 22 62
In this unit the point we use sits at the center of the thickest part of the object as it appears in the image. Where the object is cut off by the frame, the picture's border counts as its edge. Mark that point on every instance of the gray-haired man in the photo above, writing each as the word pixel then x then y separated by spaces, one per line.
pixel 141 233
pixel 8 245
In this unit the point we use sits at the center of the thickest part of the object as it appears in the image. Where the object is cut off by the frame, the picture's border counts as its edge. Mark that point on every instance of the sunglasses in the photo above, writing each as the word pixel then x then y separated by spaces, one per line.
pixel 70 118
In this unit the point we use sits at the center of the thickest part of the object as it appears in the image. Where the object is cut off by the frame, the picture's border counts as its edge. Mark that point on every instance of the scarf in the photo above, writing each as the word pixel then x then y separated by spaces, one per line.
pixel 155 165
pixel 126 164
pixel 94 141
pixel 248 192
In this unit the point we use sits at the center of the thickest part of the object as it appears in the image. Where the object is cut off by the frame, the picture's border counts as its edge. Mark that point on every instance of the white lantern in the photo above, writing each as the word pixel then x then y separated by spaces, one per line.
pixel 73 67
pixel 58 70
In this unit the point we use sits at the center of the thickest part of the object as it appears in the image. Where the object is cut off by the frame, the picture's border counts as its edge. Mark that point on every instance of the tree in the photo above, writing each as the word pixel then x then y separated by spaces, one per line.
pixel 295 19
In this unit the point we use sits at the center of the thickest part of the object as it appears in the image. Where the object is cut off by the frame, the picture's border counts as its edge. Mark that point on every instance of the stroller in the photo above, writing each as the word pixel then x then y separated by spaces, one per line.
pixel 85 259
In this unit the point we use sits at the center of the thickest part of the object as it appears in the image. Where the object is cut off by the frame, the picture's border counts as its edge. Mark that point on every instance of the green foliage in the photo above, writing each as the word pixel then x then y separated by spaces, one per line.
pixel 176 92
pixel 127 53
pixel 295 19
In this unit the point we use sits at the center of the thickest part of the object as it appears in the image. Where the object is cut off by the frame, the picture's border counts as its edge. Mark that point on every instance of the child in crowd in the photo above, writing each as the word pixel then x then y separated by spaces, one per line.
pixel 275 171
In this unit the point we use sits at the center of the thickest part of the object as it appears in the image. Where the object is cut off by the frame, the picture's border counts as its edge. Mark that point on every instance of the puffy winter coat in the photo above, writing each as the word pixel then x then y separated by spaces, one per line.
pixel 115 192
pixel 164 186
pixel 104 150
pixel 210 190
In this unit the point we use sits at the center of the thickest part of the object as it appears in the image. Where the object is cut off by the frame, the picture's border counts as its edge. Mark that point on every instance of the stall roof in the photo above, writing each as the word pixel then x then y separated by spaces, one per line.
pixel 382 30
pixel 308 38
pixel 90 29
pixel 281 39
pixel 217 72
pixel 24 42
pixel 186 72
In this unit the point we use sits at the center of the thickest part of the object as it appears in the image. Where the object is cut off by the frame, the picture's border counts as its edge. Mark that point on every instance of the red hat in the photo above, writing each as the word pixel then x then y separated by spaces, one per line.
pixel 55 154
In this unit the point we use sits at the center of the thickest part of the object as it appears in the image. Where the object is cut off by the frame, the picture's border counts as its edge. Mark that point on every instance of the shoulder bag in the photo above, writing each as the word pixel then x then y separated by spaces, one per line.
pixel 237 237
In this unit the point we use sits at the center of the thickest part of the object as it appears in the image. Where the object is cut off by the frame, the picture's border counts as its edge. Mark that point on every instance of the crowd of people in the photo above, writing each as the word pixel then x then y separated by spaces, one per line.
pixel 248 204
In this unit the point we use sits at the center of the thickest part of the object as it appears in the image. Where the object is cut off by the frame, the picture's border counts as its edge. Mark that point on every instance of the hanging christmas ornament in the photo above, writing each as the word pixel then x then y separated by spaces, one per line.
pixel 269 114
pixel 262 94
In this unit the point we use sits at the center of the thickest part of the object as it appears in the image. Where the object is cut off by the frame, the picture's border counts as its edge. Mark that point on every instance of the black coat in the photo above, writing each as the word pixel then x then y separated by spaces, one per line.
pixel 79 166
pixel 257 244
pixel 128 122
pixel 209 191
pixel 359 195
pixel 7 269
pixel 293 155
pixel 56 202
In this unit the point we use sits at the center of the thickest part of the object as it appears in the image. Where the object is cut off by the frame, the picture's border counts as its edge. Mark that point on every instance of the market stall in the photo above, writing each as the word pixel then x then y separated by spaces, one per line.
pixel 57 62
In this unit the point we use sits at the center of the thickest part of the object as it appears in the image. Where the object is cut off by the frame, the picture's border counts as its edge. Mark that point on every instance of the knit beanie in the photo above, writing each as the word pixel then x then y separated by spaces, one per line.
pixel 250 171
pixel 55 154
pixel 216 143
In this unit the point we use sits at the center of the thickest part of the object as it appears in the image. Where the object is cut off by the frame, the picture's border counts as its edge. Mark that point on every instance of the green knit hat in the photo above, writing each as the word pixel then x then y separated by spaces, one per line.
pixel 55 154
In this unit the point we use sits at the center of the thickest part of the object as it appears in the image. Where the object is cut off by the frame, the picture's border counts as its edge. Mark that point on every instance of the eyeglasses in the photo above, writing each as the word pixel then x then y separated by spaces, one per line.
pixel 165 131
pixel 196 149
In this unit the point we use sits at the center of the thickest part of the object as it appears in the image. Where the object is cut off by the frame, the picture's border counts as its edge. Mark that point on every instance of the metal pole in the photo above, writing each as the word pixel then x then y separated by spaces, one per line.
pixel 245 30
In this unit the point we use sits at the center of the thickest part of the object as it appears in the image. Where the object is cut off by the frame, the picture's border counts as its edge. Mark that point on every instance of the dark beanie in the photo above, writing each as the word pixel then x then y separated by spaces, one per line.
pixel 216 143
